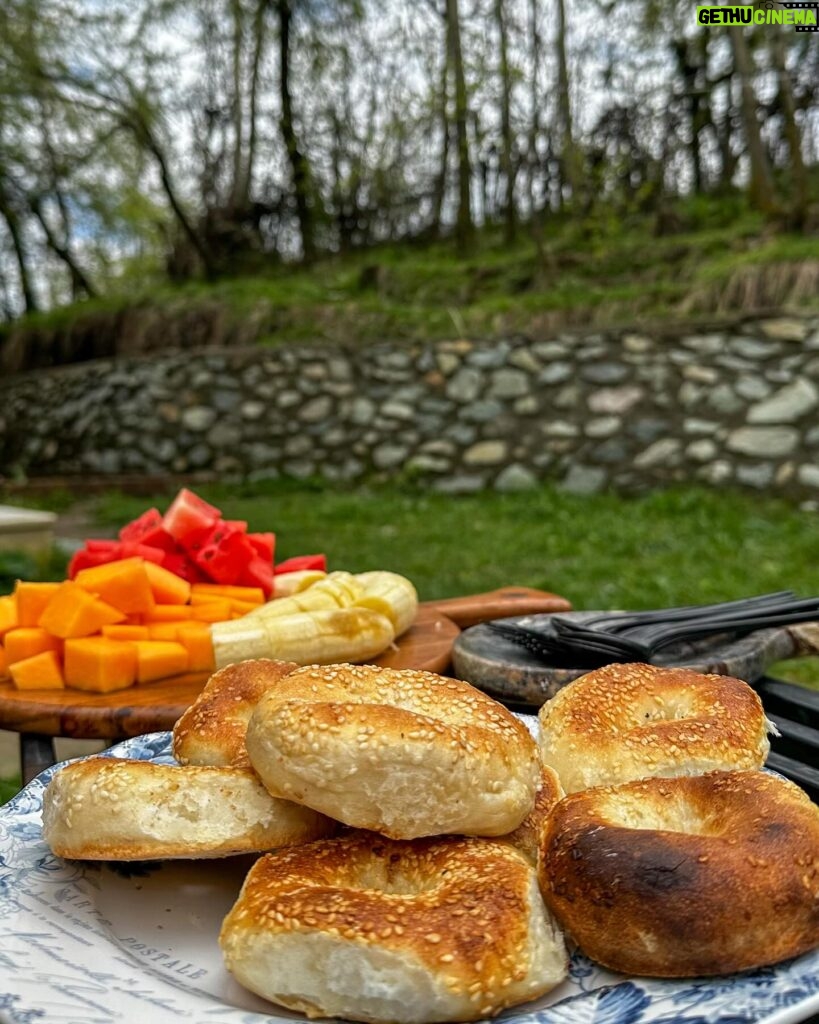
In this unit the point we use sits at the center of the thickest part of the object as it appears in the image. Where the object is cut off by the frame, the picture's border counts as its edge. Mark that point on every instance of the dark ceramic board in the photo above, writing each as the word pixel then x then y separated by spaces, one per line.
pixel 511 673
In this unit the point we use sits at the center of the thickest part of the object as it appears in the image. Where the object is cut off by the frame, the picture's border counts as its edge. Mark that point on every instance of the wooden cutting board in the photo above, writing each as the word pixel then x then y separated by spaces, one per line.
pixel 510 673
pixel 153 707
pixel 498 604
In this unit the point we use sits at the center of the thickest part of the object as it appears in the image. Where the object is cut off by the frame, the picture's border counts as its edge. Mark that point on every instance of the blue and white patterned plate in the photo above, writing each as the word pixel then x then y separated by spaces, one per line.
pixel 116 944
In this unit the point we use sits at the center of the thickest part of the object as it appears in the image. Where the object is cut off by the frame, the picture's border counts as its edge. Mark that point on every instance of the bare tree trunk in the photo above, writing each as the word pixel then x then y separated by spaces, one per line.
pixel 61 246
pixel 8 214
pixel 6 303
pixel 53 167
pixel 506 159
pixel 79 281
pixel 345 195
pixel 259 38
pixel 143 132
pixel 464 227
pixel 439 186
pixel 761 188
pixel 723 132
pixel 569 156
pixel 238 103
pixel 689 66
pixel 801 198
pixel 534 99
pixel 299 168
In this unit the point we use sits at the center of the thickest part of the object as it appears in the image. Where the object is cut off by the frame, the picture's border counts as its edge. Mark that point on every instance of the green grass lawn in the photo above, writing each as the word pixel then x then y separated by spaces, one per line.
pixel 665 548
pixel 605 551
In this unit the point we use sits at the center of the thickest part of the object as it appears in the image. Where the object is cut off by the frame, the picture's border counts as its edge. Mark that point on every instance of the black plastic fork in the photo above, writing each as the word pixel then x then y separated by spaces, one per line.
pixel 615 622
pixel 592 652
pixel 639 636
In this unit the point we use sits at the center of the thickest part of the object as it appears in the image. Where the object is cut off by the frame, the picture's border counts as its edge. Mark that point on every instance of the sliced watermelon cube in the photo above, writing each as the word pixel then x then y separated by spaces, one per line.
pixel 102 544
pixel 150 554
pixel 258 572
pixel 300 562
pixel 235 524
pixel 149 520
pixel 189 519
pixel 100 551
pixel 182 566
pixel 224 557
pixel 148 529
pixel 264 544
pixel 221 531
pixel 86 558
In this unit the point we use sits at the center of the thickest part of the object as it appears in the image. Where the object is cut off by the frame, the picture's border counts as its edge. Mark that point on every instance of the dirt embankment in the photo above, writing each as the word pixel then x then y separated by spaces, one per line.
pixel 129 331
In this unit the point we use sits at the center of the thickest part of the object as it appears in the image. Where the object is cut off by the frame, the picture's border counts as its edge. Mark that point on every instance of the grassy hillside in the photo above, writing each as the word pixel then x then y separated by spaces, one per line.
pixel 607 270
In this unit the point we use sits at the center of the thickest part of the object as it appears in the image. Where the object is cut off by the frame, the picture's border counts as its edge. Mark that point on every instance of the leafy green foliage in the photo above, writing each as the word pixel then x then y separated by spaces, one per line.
pixel 22 565
pixel 8 787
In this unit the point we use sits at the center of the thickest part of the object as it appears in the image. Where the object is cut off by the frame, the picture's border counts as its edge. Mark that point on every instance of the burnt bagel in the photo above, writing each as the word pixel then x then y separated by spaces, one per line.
pixel 682 877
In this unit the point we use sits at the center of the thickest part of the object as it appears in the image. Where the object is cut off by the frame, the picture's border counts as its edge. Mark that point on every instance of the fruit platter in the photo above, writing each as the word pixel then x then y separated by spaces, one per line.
pixel 181 593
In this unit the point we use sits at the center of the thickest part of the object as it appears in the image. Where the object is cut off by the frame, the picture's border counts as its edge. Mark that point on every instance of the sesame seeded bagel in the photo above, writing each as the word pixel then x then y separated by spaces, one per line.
pixel 104 808
pixel 404 753
pixel 626 722
pixel 372 929
pixel 528 836
pixel 212 730
pixel 687 876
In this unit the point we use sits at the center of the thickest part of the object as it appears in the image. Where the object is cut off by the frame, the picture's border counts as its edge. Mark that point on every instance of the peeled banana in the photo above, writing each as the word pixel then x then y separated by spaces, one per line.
pixel 290 583
pixel 390 594
pixel 340 617
pixel 338 590
pixel 308 638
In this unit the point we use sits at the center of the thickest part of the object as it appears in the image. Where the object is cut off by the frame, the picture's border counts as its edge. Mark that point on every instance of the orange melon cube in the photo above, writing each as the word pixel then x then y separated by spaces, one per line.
pixel 4 663
pixel 167 587
pixel 168 613
pixel 164 630
pixel 239 608
pixel 196 639
pixel 8 614
pixel 73 612
pixel 125 632
pixel 218 610
pixel 235 592
pixel 123 584
pixel 28 641
pixel 31 600
pixel 100 664
pixel 41 672
pixel 157 659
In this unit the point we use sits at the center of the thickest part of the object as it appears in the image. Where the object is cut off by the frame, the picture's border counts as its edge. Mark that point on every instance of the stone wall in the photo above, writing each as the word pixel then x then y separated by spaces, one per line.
pixel 734 404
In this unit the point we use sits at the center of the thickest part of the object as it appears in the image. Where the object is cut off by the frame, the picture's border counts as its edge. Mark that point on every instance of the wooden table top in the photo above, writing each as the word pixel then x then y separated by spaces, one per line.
pixel 152 707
